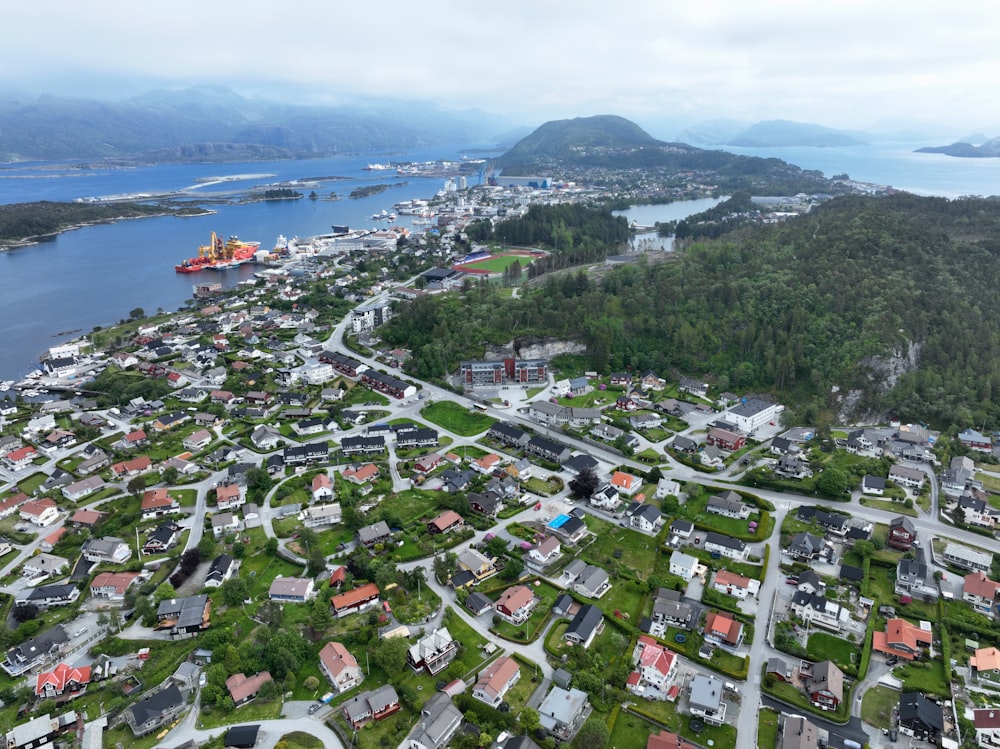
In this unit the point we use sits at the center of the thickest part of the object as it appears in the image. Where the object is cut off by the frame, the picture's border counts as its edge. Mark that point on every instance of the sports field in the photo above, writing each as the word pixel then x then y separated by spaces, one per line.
pixel 498 263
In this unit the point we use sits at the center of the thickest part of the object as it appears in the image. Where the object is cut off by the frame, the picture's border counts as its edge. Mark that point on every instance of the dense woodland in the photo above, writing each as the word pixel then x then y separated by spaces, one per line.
pixel 795 309
pixel 20 221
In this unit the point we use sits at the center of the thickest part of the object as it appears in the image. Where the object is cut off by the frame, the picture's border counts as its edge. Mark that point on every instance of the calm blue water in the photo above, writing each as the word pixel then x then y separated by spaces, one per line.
pixel 96 275
pixel 895 164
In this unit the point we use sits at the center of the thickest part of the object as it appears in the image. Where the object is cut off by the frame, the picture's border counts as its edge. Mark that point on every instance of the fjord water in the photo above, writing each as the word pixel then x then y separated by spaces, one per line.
pixel 96 275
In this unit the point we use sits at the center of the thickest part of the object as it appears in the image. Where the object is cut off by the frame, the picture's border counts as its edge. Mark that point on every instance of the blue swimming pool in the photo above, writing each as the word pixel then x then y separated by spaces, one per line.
pixel 558 521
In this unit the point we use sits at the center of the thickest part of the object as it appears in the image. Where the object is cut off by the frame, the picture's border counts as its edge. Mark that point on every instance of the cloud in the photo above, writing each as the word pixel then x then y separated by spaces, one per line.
pixel 846 63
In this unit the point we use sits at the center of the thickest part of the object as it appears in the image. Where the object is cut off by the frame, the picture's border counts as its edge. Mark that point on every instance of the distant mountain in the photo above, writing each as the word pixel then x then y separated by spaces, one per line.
pixel 712 132
pixel 201 120
pixel 989 149
pixel 572 139
pixel 783 133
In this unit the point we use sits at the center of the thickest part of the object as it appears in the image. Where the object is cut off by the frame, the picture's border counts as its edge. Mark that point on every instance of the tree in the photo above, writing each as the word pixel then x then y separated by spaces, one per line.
pixel 512 570
pixel 593 735
pixel 163 592
pixel 206 546
pixel 231 659
pixel 864 549
pixel 390 655
pixel 271 546
pixel 269 614
pixel 136 485
pixel 137 313
pixel 495 547
pixel 239 550
pixel 311 683
pixel 234 591
pixel 585 484
pixel 320 617
pixel 170 475
pixel 24 613
pixel 445 565
pixel 832 482
pixel 529 720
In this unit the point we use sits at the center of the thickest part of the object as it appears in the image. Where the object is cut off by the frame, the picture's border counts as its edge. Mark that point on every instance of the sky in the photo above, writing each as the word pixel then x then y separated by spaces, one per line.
pixel 663 63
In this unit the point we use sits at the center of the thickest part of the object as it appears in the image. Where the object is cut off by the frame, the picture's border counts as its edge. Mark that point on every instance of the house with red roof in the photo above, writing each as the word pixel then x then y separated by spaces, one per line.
pixel 496 680
pixel 735 585
pixel 157 502
pixel 63 679
pixel 447 521
pixel 340 667
pixel 112 585
pixel 244 688
pixel 654 669
pixel 11 505
pixel 40 512
pixel 229 497
pixel 132 467
pixel 322 487
pixel 516 604
pixel 722 629
pixel 667 740
pixel 353 601
pixel 361 474
pixel 427 463
pixel 626 483
pixel 981 592
pixel 901 639
pixel 21 458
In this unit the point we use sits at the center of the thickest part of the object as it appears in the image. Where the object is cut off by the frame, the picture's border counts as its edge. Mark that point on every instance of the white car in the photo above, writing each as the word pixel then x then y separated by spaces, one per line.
pixel 202 679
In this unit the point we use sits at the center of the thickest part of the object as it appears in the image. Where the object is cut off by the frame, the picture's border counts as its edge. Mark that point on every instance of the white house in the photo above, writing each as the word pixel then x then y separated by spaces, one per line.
pixel 683 565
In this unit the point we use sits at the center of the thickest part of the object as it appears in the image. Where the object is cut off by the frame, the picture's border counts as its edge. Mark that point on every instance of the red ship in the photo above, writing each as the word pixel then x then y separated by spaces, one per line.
pixel 218 255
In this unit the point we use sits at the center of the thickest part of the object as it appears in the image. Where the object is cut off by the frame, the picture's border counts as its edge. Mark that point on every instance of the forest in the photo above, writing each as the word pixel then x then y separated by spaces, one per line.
pixel 21 221
pixel 887 297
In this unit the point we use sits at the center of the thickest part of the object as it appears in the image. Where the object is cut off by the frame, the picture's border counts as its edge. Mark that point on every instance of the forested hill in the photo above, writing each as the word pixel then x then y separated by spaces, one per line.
pixel 611 144
pixel 890 297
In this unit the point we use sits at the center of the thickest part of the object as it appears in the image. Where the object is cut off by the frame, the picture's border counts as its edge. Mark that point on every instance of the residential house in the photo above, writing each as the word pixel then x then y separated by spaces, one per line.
pixel 480 566
pixel 291 589
pixel 162 538
pixel 223 523
pixel 319 516
pixel 372 705
pixel 914 579
pixel 752 414
pixel 266 438
pixel 779 668
pixel 155 710
pixel 606 498
pixel 488 504
pixel 920 717
pixel 725 439
pixel 818 610
pixel 223 567
pixel 670 611
pixel 981 592
pixel 681 529
pixel 508 434
pixel 40 512
pixel 244 688
pixel 157 502
pixel 438 722
pixel 593 582
pixel 48 596
pixel 184 617
pixel 585 626
pixel 109 550
pixel 683 565
pixel 427 463
pixel 902 533
pixel 655 668
pixel 645 420
pixel 644 518
pixel 985 665
pixel 728 505
pixel 198 440
pixel 112 585
pixel 353 601
pixel 563 712
pixel 797 732
pixel 705 699
pixel 910 478
pixel 80 489
pixel 516 604
pixel 626 484
pixel 901 639
pixel 21 458
pixel 712 457
pixel 545 551
pixel 735 585
pixel 478 603
pixel 496 680
pixel 805 545
pixel 722 629
pixel 547 449
pixel 725 545
pixel 873 485
pixel 361 475
pixel 825 685
pixel 974 440
pixel 433 652
pixel 962 556
pixel 340 667
pixel 987 724
pixel 133 467
pixel 376 533
pixel 230 496
pixel 63 679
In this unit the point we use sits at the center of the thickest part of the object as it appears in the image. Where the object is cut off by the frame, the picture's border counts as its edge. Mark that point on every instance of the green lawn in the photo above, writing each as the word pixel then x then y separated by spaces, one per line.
pixel 457 418
pixel 500 263
pixel 300 740
pixel 639 554
pixel 889 506
pixel 255 710
pixel 666 713
pixel 923 676
pixel 767 728
pixel 631 731
pixel 877 705
pixel 825 647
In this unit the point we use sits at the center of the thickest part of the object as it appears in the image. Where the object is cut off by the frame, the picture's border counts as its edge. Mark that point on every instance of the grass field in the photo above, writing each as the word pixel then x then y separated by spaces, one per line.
pixel 877 705
pixel 499 263
pixel 824 647
pixel 767 728
pixel 456 418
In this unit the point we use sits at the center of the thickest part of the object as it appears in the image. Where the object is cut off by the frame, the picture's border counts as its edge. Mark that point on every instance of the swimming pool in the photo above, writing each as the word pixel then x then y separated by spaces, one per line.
pixel 558 521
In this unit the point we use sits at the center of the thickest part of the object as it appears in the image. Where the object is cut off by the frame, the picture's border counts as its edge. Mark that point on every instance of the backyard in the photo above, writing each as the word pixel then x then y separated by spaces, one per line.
pixel 457 418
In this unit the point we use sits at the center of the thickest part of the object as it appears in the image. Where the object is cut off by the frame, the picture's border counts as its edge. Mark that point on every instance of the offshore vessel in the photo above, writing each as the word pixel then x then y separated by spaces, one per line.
pixel 219 255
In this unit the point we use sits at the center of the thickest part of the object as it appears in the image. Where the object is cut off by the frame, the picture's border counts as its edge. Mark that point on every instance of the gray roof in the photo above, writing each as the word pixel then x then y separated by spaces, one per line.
pixel 726 541
pixel 438 720
pixel 706 693
pixel 587 619
pixel 374 531
pixel 560 707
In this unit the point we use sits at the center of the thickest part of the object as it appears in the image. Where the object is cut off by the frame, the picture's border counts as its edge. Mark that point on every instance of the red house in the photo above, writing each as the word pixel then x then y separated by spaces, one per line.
pixel 825 686
pixel 726 440
pixel 902 533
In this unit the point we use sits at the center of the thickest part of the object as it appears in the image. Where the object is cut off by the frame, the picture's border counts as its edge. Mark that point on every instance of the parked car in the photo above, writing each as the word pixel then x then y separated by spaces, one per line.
pixel 314 708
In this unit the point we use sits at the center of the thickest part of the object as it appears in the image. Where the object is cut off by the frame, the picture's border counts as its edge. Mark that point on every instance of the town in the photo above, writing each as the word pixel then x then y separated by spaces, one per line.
pixel 245 519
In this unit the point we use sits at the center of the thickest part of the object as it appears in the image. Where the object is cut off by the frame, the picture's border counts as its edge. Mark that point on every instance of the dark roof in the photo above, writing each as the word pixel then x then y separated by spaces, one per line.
pixel 587 619
pixel 727 541
pixel 153 705
pixel 461 578
pixel 915 708
pixel 580 462
pixel 242 736
pixel 903 522
pixel 849 572
pixel 573 526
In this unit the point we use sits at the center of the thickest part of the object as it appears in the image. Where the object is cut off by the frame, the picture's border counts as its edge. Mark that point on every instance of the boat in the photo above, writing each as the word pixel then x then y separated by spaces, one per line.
pixel 219 255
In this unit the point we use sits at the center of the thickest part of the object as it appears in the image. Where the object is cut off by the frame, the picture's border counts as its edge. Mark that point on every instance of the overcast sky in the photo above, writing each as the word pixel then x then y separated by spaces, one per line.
pixel 663 63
